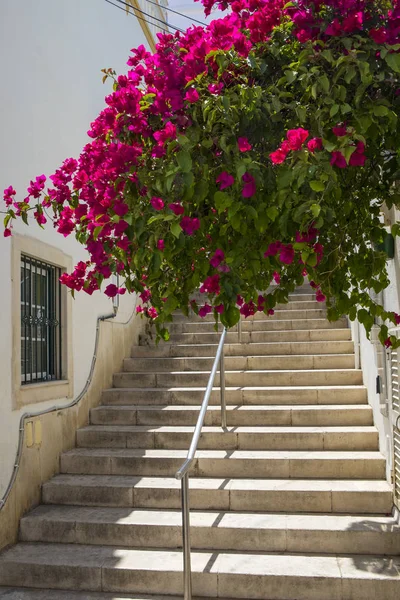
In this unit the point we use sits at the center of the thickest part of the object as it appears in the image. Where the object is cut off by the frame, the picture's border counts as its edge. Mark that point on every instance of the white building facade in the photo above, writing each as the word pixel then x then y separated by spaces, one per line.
pixel 52 56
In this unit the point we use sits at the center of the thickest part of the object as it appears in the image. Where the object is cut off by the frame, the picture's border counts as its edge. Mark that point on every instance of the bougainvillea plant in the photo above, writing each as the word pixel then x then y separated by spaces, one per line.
pixel 258 149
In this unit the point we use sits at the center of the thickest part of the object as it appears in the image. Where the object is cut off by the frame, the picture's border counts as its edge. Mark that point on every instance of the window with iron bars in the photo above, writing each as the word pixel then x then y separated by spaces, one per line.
pixel 41 344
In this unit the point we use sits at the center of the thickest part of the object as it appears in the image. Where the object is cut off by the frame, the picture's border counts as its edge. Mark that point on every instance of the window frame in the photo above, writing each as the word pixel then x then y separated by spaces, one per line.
pixel 40 391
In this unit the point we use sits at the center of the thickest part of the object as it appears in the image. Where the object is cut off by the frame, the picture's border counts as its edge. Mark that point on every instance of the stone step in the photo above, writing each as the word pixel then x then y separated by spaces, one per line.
pixel 254 377
pixel 268 324
pixel 258 532
pixel 255 349
pixel 232 438
pixel 238 396
pixel 258 575
pixel 253 495
pixel 242 415
pixel 17 593
pixel 287 335
pixel 233 363
pixel 219 463
pixel 294 310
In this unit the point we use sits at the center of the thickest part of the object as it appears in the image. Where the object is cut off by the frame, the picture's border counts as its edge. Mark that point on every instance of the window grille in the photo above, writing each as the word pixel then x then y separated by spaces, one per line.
pixel 41 347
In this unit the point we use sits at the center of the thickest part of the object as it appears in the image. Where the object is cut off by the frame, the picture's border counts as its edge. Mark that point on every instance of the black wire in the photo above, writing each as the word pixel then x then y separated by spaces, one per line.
pixel 140 18
pixel 147 15
pixel 176 12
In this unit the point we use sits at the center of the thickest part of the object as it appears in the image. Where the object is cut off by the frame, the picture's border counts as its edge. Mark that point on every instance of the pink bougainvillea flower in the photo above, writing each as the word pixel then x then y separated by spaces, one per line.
pixel 249 189
pixel 139 309
pixel 358 158
pixel 397 318
pixel 378 35
pixel 176 208
pixel 157 203
pixel 219 308
pixel 276 277
pixel 217 258
pixel 8 195
pixel 145 295
pixel 278 157
pixel 338 160
pixel 286 255
pixel 297 137
pixel 192 95
pixel 244 144
pixel 40 218
pixel 273 249
pixel 152 312
pixel 334 29
pixel 111 290
pixel 7 232
pixel 161 245
pixel 248 309
pixel 204 310
pixel 189 226
pixel 388 342
pixel 319 296
pixel 216 88
pixel 315 144
pixel 239 300
pixel 225 180
pixel 271 312
pixel 210 285
pixel 339 130
pixel 353 22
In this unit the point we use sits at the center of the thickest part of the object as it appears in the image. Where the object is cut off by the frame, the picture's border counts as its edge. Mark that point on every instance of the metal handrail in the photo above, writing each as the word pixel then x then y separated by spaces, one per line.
pixel 183 473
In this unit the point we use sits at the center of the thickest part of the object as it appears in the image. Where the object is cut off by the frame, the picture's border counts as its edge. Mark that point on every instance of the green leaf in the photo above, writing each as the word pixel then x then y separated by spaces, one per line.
pixel 312 260
pixel 324 83
pixel 222 201
pixel 317 186
pixel 393 61
pixel 272 212
pixel 176 229
pixel 334 110
pixel 184 161
pixel 290 76
pixel 380 110
pixel 315 210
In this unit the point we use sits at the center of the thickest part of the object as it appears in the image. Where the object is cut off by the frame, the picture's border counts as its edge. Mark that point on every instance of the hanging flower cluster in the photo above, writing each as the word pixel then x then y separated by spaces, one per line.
pixel 187 185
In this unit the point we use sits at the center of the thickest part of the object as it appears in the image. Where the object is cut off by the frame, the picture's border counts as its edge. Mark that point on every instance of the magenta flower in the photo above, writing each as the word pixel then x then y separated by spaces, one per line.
pixel 192 95
pixel 111 290
pixel 8 195
pixel 217 258
pixel 378 35
pixel 216 88
pixel 358 158
pixel 40 218
pixel 277 277
pixel 319 296
pixel 189 226
pixel 210 285
pixel 286 254
pixel 157 203
pixel 388 342
pixel 219 308
pixel 249 189
pixel 278 157
pixel 176 208
pixel 225 180
pixel 152 312
pixel 315 144
pixel 296 138
pixel 244 144
pixel 161 245
pixel 339 130
pixel 338 160
pixel 205 310
pixel 273 249
pixel 7 232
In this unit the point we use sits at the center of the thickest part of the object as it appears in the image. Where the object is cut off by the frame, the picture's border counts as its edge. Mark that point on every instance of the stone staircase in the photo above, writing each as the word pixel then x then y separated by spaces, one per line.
pixel 289 503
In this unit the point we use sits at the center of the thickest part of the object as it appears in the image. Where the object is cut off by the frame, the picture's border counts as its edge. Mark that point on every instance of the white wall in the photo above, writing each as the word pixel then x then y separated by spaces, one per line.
pixel 372 355
pixel 51 54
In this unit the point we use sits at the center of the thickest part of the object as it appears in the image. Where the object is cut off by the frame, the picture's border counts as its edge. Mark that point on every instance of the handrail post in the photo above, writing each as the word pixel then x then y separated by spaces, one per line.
pixel 222 388
pixel 187 569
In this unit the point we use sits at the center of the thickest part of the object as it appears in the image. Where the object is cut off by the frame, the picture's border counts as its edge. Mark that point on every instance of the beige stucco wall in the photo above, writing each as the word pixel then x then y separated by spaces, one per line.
pixel 57 429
